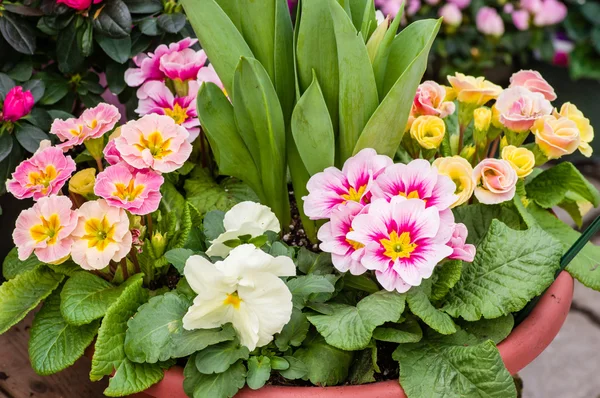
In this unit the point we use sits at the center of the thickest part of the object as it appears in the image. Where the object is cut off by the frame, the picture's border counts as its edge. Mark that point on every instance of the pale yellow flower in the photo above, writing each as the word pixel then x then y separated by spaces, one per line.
pixel 82 183
pixel 474 90
pixel 586 131
pixel 522 160
pixel 461 172
pixel 428 131
pixel 556 137
pixel 483 118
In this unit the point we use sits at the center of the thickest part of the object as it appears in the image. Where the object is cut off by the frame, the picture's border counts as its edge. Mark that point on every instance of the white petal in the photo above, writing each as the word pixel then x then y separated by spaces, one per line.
pixel 253 213
pixel 246 324
pixel 208 314
pixel 205 278
pixel 219 249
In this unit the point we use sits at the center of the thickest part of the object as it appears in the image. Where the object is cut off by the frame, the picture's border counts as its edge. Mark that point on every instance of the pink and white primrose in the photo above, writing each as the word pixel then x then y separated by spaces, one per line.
pixel 345 253
pixel 148 65
pixel 415 180
pixel 495 181
pixel 183 65
pixel 102 234
pixel 461 250
pixel 93 123
pixel 154 141
pixel 209 74
pixel 137 191
pixel 155 97
pixel 332 187
pixel 404 241
pixel 45 230
pixel 44 174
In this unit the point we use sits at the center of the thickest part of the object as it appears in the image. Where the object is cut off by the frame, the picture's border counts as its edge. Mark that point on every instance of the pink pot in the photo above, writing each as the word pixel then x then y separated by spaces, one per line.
pixel 519 349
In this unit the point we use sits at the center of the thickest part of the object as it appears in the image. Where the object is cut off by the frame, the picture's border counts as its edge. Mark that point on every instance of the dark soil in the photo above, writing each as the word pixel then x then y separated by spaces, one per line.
pixel 296 235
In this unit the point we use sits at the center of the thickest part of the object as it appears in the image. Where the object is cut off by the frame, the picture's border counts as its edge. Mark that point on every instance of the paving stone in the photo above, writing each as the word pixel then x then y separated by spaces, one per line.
pixel 587 299
pixel 569 366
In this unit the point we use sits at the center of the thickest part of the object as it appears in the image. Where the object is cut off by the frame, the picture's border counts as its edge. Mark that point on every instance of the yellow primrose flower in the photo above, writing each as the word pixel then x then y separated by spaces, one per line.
pixel 496 118
pixel 82 183
pixel 474 90
pixel 428 131
pixel 450 93
pixel 556 137
pixel 586 131
pixel 483 118
pixel 522 160
pixel 461 173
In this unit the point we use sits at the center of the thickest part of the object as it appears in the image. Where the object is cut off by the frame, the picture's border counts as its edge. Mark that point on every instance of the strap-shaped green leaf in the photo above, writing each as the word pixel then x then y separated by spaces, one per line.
pixel 406 64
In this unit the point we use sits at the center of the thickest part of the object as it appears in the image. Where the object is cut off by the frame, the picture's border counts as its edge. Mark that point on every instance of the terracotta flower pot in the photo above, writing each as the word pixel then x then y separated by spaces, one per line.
pixel 520 348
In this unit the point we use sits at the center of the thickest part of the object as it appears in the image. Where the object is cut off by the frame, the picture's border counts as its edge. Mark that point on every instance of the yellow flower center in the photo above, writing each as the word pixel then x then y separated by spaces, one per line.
pixel 76 132
pixel 42 177
pixel 99 233
pixel 411 195
pixel 178 113
pixel 48 229
pixel 233 299
pixel 398 246
pixel 158 147
pixel 356 245
pixel 128 192
pixel 354 195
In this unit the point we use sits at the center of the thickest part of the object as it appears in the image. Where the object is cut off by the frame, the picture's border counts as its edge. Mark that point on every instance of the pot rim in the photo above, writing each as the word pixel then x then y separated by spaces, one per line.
pixel 519 349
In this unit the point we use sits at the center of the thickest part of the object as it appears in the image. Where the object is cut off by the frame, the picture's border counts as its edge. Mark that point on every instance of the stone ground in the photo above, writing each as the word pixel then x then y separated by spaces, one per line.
pixel 570 366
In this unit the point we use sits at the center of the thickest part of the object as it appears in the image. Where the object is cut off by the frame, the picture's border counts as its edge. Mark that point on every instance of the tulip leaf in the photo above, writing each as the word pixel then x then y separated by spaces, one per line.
pixel 218 36
pixel 383 51
pixel 358 96
pixel 259 118
pixel 407 62
pixel 231 154
pixel 363 17
pixel 313 131
pixel 316 35
pixel 55 345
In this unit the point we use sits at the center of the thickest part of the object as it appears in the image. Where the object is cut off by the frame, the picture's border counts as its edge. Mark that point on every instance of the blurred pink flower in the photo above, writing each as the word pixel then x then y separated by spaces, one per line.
pixel 533 6
pixel 44 174
pixel 18 103
pixel 460 3
pixel 489 22
pixel 451 14
pixel 551 13
pixel 520 19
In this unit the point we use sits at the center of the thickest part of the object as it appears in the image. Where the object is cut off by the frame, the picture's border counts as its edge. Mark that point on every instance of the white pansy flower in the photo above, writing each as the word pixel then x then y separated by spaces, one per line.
pixel 246 218
pixel 244 290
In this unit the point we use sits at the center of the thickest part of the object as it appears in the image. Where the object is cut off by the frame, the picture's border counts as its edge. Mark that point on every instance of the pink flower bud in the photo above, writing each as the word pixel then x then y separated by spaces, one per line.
pixel 520 19
pixel 78 4
pixel 489 22
pixel 18 103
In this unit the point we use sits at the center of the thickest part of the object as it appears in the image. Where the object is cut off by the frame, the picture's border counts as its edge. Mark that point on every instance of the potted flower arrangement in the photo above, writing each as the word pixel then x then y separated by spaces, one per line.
pixel 411 243
pixel 484 37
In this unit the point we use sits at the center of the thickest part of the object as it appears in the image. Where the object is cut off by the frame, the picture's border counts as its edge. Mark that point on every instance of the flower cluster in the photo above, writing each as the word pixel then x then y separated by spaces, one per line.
pixel 169 79
pixel 93 225
pixel 244 289
pixel 394 219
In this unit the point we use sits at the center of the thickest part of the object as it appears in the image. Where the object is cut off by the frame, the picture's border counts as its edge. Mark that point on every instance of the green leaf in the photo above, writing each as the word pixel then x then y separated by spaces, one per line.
pixel 259 371
pixel 171 23
pixel 419 304
pixel 363 368
pixel 437 368
pixel 312 130
pixel 36 87
pixel 358 96
pixel 23 293
pixel 219 357
pixel 294 332
pixel 172 203
pixel 586 266
pixel 6 145
pixel 408 331
pixel 40 118
pixel 351 328
pixel 218 36
pixel 478 218
pixel 156 332
pixel 205 194
pixel 117 49
pixel 446 276
pixel 296 370
pixel 361 282
pixel 144 6
pixel 178 257
pixel 30 136
pixel 55 345
pixel 115 77
pixel 405 67
pixel 303 287
pixel 550 187
pixel 213 224
pixel 510 268
pixel 217 119
pixel 109 354
pixel 113 19
pixel 6 84
pixel 325 364
pixel 68 54
pixel 57 88
pixel 312 263
pixel 12 266
pixel 85 38
pixel 219 385
pixel 86 297
pixel 18 33
pixel 259 118
pixel 8 165
pixel 22 71
pixel 316 35
pixel 490 329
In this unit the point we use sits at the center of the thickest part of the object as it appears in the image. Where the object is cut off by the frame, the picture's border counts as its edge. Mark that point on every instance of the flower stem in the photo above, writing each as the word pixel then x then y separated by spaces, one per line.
pixel 134 260
pixel 149 224
pixel 492 152
pixel 124 268
pixel 100 165
pixel 461 138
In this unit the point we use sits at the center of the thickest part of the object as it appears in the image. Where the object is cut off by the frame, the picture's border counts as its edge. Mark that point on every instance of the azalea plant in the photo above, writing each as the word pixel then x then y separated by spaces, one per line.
pixel 479 35
pixel 416 222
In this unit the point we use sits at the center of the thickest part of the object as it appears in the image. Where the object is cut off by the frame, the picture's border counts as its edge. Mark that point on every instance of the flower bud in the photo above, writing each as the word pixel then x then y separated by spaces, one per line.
pixel 483 118
pixel 428 131
pixel 468 152
pixel 18 103
pixel 522 160
pixel 159 243
pixel 82 183
pixel 376 38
